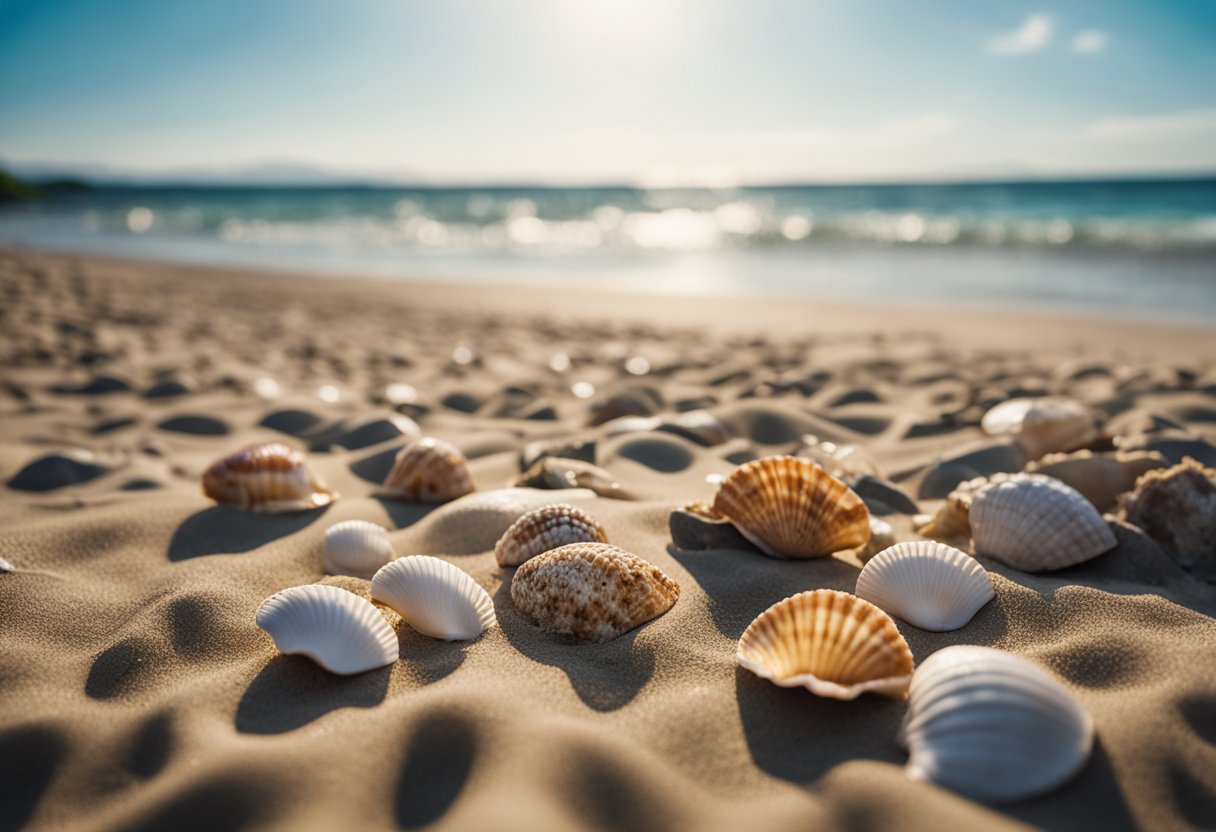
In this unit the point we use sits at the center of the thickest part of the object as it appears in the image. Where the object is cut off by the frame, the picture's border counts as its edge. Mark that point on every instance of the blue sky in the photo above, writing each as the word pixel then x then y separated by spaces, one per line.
pixel 657 91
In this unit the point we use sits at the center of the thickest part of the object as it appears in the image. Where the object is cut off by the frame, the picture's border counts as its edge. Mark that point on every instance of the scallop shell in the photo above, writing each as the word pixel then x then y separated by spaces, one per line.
pixel 1042 426
pixel 791 508
pixel 1036 524
pixel 992 726
pixel 1100 478
pixel 545 528
pixel 592 591
pixel 1177 508
pixel 928 584
pixel 434 597
pixel 356 547
pixel 336 629
pixel 268 477
pixel 429 471
pixel 834 644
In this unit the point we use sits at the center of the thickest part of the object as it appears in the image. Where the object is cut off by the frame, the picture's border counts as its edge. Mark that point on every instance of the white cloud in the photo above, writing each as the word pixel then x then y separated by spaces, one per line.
pixel 1032 35
pixel 1194 124
pixel 1089 42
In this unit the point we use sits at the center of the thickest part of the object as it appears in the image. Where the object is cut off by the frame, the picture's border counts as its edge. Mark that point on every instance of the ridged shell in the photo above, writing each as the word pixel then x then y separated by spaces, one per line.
pixel 356 547
pixel 434 597
pixel 992 726
pixel 1036 524
pixel 1042 426
pixel 834 644
pixel 429 471
pixel 336 629
pixel 928 584
pixel 592 591
pixel 545 528
pixel 791 508
pixel 1100 478
pixel 268 477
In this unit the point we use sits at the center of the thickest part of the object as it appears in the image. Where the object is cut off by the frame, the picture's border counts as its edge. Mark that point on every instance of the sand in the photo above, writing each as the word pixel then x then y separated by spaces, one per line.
pixel 137 693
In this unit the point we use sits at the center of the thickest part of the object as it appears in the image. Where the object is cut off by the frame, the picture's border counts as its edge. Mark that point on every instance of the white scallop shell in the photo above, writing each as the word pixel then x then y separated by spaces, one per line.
pixel 1037 523
pixel 992 726
pixel 356 547
pixel 1041 425
pixel 336 629
pixel 434 597
pixel 928 584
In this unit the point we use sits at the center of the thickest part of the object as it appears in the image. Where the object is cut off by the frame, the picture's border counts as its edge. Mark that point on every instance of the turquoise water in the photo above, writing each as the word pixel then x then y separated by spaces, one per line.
pixel 1144 248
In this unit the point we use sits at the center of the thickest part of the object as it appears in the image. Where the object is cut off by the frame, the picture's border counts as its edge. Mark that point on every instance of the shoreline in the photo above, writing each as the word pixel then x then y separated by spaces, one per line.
pixel 788 315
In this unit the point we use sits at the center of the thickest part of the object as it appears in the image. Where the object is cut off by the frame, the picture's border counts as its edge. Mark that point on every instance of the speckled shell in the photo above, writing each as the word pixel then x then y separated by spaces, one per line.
pixel 355 547
pixel 1042 425
pixel 1177 508
pixel 435 597
pixel 928 584
pixel 429 471
pixel 545 528
pixel 591 591
pixel 791 508
pixel 1036 524
pixel 1102 477
pixel 336 629
pixel 268 477
pixel 834 644
pixel 992 726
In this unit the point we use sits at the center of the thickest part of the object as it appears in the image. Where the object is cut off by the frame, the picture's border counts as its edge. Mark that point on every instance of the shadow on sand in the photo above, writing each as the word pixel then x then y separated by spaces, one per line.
pixel 225 531
pixel 292 691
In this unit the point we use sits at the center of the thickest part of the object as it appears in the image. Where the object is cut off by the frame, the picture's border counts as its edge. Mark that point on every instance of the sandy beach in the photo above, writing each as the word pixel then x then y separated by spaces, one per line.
pixel 137 693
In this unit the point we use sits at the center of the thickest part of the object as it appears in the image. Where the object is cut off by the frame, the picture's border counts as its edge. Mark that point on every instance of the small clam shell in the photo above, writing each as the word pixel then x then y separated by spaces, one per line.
pixel 559 473
pixel 791 508
pixel 545 528
pixel 592 591
pixel 928 584
pixel 336 629
pixel 834 644
pixel 267 477
pixel 882 536
pixel 429 471
pixel 1037 524
pixel 356 547
pixel 1042 426
pixel 992 726
pixel 434 597
pixel 952 523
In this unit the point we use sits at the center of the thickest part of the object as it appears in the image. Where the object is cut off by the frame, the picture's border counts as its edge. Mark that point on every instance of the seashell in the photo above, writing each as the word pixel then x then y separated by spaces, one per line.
pixel 791 508
pixel 559 473
pixel 356 547
pixel 992 726
pixel 1100 478
pixel 882 536
pixel 1036 524
pixel 336 629
pixel 952 523
pixel 834 644
pixel 591 591
pixel 267 477
pixel 1177 508
pixel 928 584
pixel 696 527
pixel 846 462
pixel 428 471
pixel 480 519
pixel 6 566
pixel 545 528
pixel 1042 426
pixel 435 597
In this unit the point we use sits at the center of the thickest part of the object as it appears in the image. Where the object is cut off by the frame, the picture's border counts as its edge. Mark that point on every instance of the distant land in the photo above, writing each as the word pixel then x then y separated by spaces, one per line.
pixel 288 174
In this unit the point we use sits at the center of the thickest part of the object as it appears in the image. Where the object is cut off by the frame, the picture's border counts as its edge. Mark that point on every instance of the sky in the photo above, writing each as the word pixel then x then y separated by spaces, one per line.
pixel 657 92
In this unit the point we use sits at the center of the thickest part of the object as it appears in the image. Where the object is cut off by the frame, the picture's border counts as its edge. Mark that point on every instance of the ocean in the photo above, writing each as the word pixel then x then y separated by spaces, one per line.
pixel 1143 248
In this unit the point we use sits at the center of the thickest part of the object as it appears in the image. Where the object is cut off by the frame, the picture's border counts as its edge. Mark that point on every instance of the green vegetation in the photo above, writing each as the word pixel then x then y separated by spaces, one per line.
pixel 13 189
